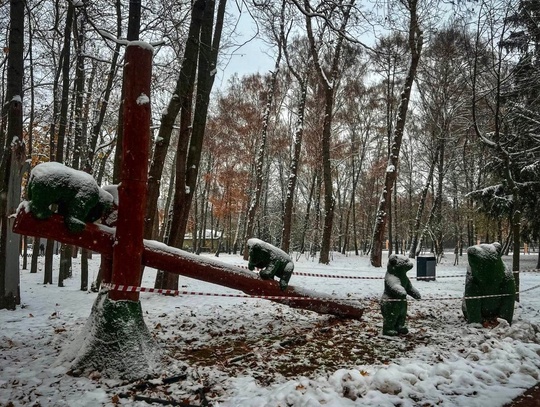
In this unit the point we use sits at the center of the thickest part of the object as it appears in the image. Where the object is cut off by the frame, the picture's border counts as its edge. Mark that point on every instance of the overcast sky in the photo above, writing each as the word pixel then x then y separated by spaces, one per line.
pixel 251 57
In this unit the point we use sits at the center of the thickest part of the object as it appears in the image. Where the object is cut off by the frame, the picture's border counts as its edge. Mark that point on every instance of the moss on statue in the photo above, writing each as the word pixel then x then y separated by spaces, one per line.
pixel 77 194
pixel 488 275
pixel 115 341
pixel 394 299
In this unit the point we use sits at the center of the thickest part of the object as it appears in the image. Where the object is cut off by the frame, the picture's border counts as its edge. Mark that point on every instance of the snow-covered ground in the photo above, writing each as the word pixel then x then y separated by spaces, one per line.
pixel 227 351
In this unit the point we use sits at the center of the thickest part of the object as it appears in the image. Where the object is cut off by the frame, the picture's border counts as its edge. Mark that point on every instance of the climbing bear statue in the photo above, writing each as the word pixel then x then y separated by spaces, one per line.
pixel 271 261
pixel 394 299
pixel 77 194
pixel 488 275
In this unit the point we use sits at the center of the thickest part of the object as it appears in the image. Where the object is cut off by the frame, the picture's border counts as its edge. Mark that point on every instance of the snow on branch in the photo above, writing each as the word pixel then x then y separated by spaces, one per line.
pixel 531 170
pixel 107 35
pixel 493 199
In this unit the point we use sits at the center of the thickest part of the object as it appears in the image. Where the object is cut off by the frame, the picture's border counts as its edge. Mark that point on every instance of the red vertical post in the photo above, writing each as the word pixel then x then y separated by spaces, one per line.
pixel 128 245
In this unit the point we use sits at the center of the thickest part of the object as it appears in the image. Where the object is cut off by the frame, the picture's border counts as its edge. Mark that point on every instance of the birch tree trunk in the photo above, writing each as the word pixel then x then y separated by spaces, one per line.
pixel 415 46
pixel 421 206
pixel 260 161
pixel 293 170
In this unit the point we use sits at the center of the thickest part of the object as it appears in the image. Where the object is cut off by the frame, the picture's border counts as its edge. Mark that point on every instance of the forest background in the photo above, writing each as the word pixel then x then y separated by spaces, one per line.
pixel 399 125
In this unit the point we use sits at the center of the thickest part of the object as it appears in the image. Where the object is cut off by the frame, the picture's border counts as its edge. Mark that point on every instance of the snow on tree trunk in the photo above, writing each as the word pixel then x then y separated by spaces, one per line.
pixel 415 45
pixel 421 204
pixel 259 164
pixel 14 158
pixel 11 293
pixel 293 171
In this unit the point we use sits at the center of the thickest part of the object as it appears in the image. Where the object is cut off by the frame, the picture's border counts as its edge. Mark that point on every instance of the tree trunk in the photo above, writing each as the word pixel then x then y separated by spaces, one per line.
pixel 415 46
pixel 260 161
pixel 351 209
pixel 187 165
pixel 421 205
pixel 59 154
pixel 84 270
pixel 12 162
pixel 65 253
pixel 104 101
pixel 180 100
pixel 329 84
pixel 35 254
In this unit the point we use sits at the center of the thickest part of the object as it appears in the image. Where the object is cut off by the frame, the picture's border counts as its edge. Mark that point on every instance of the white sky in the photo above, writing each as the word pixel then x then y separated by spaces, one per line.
pixel 254 56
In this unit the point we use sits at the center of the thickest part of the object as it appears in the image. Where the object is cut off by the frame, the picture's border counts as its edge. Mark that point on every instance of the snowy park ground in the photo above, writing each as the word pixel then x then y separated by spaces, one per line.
pixel 227 351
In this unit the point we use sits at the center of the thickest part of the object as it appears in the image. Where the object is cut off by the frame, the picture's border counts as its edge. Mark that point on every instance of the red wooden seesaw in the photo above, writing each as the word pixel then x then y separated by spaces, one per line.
pixel 160 256
pixel 123 249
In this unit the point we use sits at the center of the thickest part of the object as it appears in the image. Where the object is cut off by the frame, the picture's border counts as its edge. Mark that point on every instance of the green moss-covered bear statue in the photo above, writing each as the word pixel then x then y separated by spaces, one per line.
pixel 488 275
pixel 77 194
pixel 271 260
pixel 396 287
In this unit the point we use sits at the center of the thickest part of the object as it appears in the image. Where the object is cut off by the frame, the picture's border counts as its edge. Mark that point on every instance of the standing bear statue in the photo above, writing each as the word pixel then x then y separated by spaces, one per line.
pixel 487 275
pixel 271 260
pixel 77 194
pixel 394 299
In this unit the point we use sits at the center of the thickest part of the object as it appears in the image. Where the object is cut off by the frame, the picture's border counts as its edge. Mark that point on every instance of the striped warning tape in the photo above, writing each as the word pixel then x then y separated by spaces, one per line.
pixel 321 275
pixel 371 277
pixel 301 273
pixel 119 287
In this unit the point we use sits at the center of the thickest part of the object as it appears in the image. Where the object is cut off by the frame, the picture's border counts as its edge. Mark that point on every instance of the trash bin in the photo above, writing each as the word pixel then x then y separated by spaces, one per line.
pixel 425 267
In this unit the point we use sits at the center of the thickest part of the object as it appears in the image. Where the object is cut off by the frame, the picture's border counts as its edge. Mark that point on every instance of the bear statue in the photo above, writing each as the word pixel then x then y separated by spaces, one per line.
pixel 77 194
pixel 271 260
pixel 488 275
pixel 394 299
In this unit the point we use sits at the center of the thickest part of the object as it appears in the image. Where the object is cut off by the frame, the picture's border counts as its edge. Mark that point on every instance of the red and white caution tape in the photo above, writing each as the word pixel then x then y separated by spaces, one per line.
pixel 119 287
pixel 320 275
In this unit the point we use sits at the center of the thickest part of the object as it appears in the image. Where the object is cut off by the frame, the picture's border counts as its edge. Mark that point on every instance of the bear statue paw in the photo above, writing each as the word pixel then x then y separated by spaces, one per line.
pixel 283 285
pixel 266 275
pixel 403 330
pixel 75 225
pixel 390 332
pixel 42 214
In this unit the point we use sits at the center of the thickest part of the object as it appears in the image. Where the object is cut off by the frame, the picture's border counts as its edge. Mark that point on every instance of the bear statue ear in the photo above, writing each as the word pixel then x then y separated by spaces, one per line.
pixel 498 247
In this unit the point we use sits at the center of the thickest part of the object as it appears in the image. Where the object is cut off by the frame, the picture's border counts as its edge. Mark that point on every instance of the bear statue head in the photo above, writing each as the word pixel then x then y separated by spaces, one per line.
pixel 399 265
pixel 102 208
pixel 485 255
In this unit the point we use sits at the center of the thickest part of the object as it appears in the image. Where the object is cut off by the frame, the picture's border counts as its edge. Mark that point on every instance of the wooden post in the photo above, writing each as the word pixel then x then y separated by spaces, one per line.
pixel 128 246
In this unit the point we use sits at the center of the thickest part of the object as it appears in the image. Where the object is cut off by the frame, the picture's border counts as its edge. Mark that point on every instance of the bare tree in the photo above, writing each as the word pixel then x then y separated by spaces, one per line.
pixel 12 161
pixel 415 48
pixel 260 163
pixel 206 37
pixel 328 77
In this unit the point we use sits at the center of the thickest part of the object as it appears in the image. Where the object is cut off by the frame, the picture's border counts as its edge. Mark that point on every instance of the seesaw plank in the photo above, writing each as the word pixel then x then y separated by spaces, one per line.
pixel 160 256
